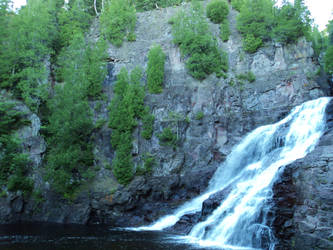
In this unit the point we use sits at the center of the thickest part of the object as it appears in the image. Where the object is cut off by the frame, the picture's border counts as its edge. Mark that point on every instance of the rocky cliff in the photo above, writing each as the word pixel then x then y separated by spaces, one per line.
pixel 285 77
pixel 303 198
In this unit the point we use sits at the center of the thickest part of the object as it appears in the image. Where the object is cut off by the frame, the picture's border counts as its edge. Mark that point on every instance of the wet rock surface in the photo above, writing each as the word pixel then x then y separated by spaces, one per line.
pixel 303 198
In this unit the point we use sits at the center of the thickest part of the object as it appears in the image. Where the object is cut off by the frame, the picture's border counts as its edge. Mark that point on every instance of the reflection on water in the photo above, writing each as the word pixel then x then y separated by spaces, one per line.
pixel 58 237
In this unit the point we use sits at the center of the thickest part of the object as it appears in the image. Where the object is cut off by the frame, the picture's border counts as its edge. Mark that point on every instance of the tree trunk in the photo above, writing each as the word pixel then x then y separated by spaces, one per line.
pixel 95 8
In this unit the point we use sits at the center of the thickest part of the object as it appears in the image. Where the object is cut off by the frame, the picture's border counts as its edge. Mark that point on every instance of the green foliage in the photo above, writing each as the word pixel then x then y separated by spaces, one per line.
pixel 329 60
pixel 13 163
pixel 199 115
pixel 125 108
pixel 147 168
pixel 94 66
pixel 237 4
pixel 217 10
pixel 292 22
pixel 118 21
pixel 251 43
pixel 225 30
pixel 255 23
pixel 144 5
pixel 70 126
pixel 260 21
pixel 72 21
pixel 319 41
pixel 100 123
pixel 29 39
pixel 84 64
pixel 330 32
pixel 190 32
pixel 155 69
pixel 122 164
pixel 168 137
pixel 147 124
pixel 249 76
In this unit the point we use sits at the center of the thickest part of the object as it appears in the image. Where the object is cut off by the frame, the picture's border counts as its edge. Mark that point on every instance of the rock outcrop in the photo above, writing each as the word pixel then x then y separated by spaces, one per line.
pixel 303 198
pixel 231 108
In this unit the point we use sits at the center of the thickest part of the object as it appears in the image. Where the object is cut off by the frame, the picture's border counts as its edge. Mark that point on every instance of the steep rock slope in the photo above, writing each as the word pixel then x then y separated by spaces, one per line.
pixel 304 200
pixel 230 108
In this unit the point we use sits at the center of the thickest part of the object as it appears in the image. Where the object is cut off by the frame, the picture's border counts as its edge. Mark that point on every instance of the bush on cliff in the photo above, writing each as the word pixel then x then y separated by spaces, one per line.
pixel 225 30
pixel 13 163
pixel 69 158
pixel 260 21
pixel 117 21
pixel 191 34
pixel 217 10
pixel 144 5
pixel 237 4
pixel 155 69
pixel 126 107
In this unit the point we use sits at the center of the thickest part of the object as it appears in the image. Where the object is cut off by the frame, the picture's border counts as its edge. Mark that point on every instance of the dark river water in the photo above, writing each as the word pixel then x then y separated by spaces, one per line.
pixel 71 237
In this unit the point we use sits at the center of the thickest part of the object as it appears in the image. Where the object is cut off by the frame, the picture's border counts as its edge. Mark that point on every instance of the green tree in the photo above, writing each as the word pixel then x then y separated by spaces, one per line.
pixel 237 4
pixel 155 69
pixel 190 32
pixel 292 21
pixel 147 124
pixel 330 32
pixel 73 20
pixel 28 46
pixel 69 157
pixel 125 108
pixel 83 63
pixel 117 21
pixel 255 23
pixel 13 163
pixel 319 41
pixel 329 60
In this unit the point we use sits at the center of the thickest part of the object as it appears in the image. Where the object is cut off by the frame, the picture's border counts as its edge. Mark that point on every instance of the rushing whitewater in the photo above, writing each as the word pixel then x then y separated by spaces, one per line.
pixel 249 173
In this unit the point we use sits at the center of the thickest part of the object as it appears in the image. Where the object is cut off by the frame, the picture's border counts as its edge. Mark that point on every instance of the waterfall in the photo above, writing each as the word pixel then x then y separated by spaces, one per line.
pixel 249 172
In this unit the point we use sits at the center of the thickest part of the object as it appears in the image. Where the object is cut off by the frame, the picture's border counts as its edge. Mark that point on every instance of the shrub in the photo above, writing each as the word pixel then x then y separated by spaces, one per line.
pixel 249 76
pixel 118 21
pixel 329 60
pixel 126 107
pixel 69 156
pixel 225 30
pixel 148 123
pixel 217 10
pixel 148 164
pixel 189 30
pixel 291 22
pixel 92 67
pixel 167 137
pixel 255 23
pixel 237 4
pixel 252 44
pixel 144 5
pixel 122 164
pixel 13 163
pixel 155 70
pixel 199 115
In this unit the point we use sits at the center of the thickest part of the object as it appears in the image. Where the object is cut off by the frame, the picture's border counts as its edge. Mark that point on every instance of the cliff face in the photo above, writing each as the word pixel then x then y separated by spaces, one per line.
pixel 303 198
pixel 285 77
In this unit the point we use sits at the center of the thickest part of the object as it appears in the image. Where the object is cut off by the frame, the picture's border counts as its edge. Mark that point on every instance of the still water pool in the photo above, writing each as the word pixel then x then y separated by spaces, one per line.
pixel 72 237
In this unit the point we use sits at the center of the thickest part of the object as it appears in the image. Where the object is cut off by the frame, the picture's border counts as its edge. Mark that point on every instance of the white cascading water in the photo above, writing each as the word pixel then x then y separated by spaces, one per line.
pixel 249 174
